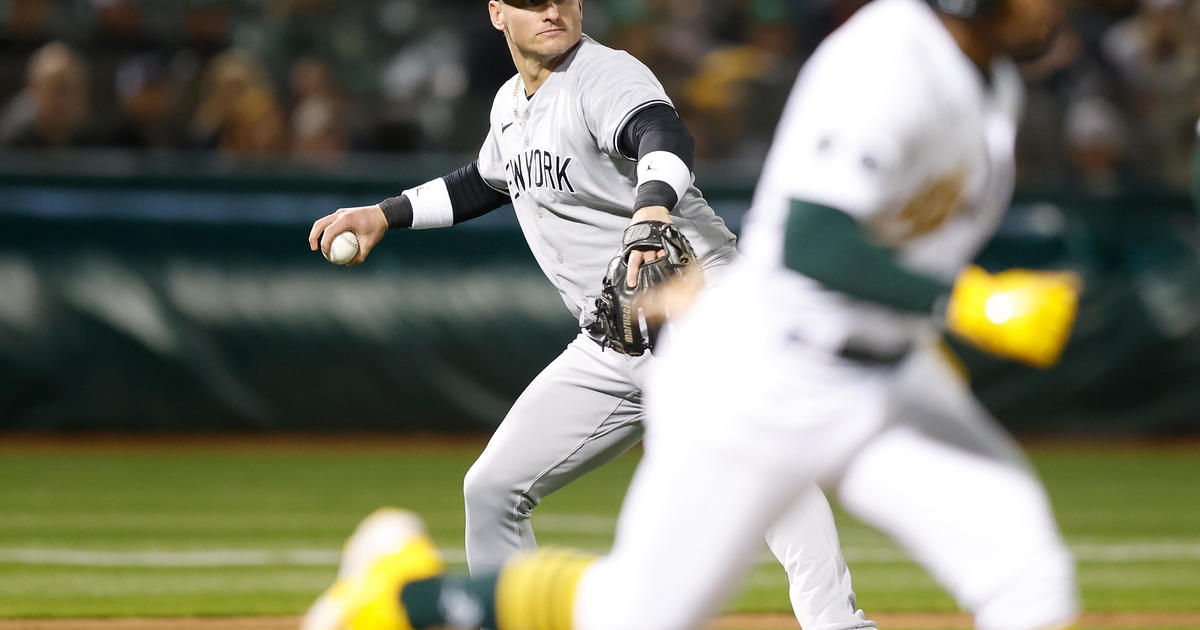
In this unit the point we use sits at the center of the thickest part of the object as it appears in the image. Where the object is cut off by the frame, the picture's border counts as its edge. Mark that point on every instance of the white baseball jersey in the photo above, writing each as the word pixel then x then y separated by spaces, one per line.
pixel 747 401
pixel 556 156
pixel 917 145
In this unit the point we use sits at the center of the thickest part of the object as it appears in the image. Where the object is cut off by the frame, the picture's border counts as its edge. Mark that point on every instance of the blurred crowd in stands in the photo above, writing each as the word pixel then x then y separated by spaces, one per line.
pixel 1114 104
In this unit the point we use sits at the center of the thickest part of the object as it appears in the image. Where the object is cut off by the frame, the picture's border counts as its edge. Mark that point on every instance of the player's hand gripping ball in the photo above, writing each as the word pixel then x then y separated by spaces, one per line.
pixel 625 321
pixel 343 249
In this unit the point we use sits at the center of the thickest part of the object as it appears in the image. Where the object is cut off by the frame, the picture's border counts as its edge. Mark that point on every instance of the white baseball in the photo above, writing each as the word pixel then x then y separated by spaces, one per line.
pixel 343 249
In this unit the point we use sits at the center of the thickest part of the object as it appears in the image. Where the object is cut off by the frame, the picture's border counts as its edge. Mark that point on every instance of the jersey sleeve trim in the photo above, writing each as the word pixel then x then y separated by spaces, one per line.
pixel 625 121
pixel 502 191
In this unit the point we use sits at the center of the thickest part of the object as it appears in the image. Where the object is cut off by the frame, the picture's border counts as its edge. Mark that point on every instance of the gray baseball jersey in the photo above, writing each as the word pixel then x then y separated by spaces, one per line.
pixel 556 156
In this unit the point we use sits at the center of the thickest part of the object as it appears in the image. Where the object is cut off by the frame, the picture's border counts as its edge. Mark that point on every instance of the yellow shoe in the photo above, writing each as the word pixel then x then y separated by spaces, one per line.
pixel 388 550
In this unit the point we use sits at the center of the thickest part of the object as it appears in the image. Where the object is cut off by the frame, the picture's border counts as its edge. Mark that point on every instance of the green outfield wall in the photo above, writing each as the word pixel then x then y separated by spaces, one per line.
pixel 153 297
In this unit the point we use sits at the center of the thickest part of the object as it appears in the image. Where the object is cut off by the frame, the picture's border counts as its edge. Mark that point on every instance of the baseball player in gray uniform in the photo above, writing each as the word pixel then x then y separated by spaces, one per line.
pixel 816 358
pixel 584 142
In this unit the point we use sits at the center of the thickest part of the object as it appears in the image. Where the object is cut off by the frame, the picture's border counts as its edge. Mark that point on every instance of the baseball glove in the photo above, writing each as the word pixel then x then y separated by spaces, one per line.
pixel 1019 314
pixel 620 322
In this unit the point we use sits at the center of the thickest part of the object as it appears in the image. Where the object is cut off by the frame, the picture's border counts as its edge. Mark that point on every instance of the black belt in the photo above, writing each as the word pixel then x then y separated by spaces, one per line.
pixel 860 353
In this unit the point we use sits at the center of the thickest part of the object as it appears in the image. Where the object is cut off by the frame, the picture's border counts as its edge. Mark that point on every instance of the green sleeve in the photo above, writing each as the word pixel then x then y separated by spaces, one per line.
pixel 830 247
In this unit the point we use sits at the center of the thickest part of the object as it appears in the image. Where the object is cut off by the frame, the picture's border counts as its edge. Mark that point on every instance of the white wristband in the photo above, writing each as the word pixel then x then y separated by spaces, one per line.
pixel 431 205
pixel 665 167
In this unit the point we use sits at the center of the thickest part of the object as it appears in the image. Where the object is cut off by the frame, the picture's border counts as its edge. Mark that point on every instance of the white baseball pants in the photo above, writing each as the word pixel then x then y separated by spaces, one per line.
pixel 743 420
pixel 583 410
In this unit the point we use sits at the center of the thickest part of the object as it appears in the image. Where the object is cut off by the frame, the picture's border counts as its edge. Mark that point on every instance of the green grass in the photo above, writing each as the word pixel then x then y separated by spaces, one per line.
pixel 283 499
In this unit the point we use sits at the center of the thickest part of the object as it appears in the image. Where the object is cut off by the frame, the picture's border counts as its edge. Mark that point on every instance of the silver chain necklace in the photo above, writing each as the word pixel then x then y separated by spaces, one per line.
pixel 516 85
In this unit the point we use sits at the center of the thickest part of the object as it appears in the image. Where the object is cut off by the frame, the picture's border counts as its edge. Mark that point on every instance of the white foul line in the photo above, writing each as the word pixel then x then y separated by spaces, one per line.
pixel 1111 553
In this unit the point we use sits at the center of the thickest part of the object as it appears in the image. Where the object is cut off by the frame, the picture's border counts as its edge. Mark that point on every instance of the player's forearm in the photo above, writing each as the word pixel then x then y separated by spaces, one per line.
pixel 652 213
pixel 448 200
pixel 664 150
pixel 829 246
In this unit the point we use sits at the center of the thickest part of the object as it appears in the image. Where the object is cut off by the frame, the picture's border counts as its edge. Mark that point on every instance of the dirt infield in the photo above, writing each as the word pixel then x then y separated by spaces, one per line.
pixel 948 621
pixel 925 621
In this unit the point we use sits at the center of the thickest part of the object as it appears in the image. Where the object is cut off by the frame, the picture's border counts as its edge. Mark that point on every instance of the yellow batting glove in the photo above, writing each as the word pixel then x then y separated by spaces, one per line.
pixel 1020 314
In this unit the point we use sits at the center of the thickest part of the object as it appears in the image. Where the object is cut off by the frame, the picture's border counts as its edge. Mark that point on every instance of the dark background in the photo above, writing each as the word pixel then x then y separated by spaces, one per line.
pixel 161 163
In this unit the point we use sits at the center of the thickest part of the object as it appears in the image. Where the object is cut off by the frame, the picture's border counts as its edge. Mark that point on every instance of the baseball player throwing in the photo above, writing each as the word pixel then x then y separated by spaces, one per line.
pixel 584 142
pixel 892 164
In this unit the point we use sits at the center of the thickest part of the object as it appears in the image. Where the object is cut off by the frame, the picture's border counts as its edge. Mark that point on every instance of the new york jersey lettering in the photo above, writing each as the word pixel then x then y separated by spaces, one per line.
pixel 536 168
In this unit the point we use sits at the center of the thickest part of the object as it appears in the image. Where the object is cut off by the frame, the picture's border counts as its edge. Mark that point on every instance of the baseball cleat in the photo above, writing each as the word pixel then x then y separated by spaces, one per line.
pixel 388 550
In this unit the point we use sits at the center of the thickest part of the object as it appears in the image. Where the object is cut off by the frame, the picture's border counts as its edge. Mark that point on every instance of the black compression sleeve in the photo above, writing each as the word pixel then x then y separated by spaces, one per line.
pixel 470 197
pixel 830 247
pixel 656 128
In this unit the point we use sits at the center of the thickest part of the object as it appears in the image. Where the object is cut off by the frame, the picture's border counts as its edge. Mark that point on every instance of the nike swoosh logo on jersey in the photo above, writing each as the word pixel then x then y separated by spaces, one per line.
pixel 505 127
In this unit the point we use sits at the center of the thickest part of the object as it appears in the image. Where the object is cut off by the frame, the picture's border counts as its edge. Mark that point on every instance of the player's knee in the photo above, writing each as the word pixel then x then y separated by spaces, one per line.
pixel 477 486
pixel 486 490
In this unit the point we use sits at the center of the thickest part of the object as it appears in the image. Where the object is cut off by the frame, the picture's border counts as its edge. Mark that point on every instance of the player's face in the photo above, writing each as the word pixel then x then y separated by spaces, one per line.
pixel 1023 29
pixel 540 30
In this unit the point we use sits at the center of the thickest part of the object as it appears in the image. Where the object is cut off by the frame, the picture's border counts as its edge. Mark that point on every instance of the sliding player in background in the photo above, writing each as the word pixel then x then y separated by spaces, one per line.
pixel 584 142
